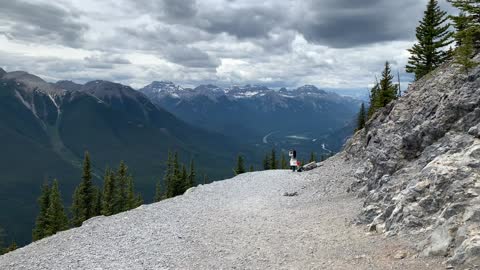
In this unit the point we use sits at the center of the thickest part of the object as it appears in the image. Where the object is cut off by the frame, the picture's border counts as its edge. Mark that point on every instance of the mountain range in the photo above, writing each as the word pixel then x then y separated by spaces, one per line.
pixel 306 117
pixel 45 128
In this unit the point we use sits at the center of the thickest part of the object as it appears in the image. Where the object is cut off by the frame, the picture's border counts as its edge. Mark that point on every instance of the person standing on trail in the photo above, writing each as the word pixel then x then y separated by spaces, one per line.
pixel 293 160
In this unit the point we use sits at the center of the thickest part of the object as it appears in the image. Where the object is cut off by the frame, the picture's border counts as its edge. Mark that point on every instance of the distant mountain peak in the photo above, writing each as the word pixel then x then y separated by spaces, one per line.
pixel 69 85
pixel 32 82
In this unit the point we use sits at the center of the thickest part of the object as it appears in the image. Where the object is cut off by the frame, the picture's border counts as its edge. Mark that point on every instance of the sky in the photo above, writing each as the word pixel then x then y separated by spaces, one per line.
pixel 333 44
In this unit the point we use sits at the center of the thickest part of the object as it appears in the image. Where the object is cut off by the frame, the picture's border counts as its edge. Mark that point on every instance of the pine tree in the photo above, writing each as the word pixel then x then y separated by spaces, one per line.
pixel 83 206
pixel 464 53
pixel 109 192
pixel 75 209
pixel 273 160
pixel 283 162
pixel 41 222
pixel 468 21
pixel 240 165
pixel 312 157
pixel 252 169
pixel 362 117
pixel 169 177
pixel 184 178
pixel 191 175
pixel 56 218
pixel 131 198
pixel 98 202
pixel 266 162
pixel 122 179
pixel 375 101
pixel 158 192
pixel 387 89
pixel 433 35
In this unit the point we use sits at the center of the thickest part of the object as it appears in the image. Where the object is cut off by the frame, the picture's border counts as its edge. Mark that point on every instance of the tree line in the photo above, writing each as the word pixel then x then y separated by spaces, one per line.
pixel 116 195
pixel 430 51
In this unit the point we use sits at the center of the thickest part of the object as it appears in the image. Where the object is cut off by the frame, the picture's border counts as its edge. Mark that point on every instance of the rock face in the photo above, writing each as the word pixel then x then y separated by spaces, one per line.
pixel 419 165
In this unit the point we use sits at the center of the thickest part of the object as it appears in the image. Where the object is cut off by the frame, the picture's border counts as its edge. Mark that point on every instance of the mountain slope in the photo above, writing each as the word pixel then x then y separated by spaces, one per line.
pixel 419 165
pixel 242 223
pixel 46 128
pixel 305 117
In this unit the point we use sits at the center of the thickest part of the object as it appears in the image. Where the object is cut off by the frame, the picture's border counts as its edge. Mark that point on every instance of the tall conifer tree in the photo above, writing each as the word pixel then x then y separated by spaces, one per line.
pixel 56 218
pixel 158 192
pixel 362 117
pixel 432 36
pixel 41 222
pixel 122 190
pixel 468 21
pixel 388 91
pixel 83 206
pixel 266 162
pixel 191 175
pixel 273 160
pixel 109 191
pixel 240 165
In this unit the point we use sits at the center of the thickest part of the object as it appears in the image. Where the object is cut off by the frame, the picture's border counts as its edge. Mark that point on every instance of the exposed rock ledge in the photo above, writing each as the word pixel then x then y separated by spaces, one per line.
pixel 419 165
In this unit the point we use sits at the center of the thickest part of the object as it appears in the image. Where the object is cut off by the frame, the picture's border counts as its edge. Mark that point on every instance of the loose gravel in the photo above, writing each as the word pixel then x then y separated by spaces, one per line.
pixel 245 222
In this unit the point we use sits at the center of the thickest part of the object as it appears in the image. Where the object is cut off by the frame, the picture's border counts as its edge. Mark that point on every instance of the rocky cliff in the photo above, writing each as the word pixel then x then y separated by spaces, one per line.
pixel 419 165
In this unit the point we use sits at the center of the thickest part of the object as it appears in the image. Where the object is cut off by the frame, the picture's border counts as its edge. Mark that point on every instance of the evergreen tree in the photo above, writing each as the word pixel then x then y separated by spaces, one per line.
pixel 184 178
pixel 387 89
pixel 191 175
pixel 251 168
pixel 468 21
pixel 98 202
pixel 169 177
pixel 433 35
pixel 273 160
pixel 75 209
pixel 56 218
pixel 464 53
pixel 375 101
pixel 461 23
pixel 138 200
pixel 283 162
pixel 41 222
pixel 312 157
pixel 83 206
pixel 240 166
pixel 122 179
pixel 266 162
pixel 158 192
pixel 109 192
pixel 131 198
pixel 362 117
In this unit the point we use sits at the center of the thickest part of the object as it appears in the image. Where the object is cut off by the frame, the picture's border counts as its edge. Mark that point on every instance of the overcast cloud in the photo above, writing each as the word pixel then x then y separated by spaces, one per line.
pixel 279 43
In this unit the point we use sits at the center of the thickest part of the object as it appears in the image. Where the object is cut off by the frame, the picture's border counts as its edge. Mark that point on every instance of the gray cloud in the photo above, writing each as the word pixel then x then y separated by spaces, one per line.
pixel 190 57
pixel 40 22
pixel 105 61
pixel 334 43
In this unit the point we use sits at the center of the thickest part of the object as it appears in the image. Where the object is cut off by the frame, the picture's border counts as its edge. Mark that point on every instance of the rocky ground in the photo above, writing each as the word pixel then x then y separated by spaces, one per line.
pixel 418 165
pixel 261 220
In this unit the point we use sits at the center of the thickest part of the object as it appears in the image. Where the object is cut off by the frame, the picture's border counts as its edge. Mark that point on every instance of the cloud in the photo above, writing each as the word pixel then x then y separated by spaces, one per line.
pixel 40 22
pixel 330 43
pixel 190 57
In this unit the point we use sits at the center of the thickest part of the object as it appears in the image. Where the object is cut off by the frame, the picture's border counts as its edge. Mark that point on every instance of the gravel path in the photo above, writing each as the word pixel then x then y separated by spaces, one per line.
pixel 242 223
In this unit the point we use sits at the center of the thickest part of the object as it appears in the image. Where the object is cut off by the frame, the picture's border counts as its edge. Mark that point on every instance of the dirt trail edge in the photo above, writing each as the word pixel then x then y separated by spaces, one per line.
pixel 261 220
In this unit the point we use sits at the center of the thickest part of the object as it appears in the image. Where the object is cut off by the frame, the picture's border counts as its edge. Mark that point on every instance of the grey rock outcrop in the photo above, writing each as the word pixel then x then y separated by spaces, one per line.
pixel 419 165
